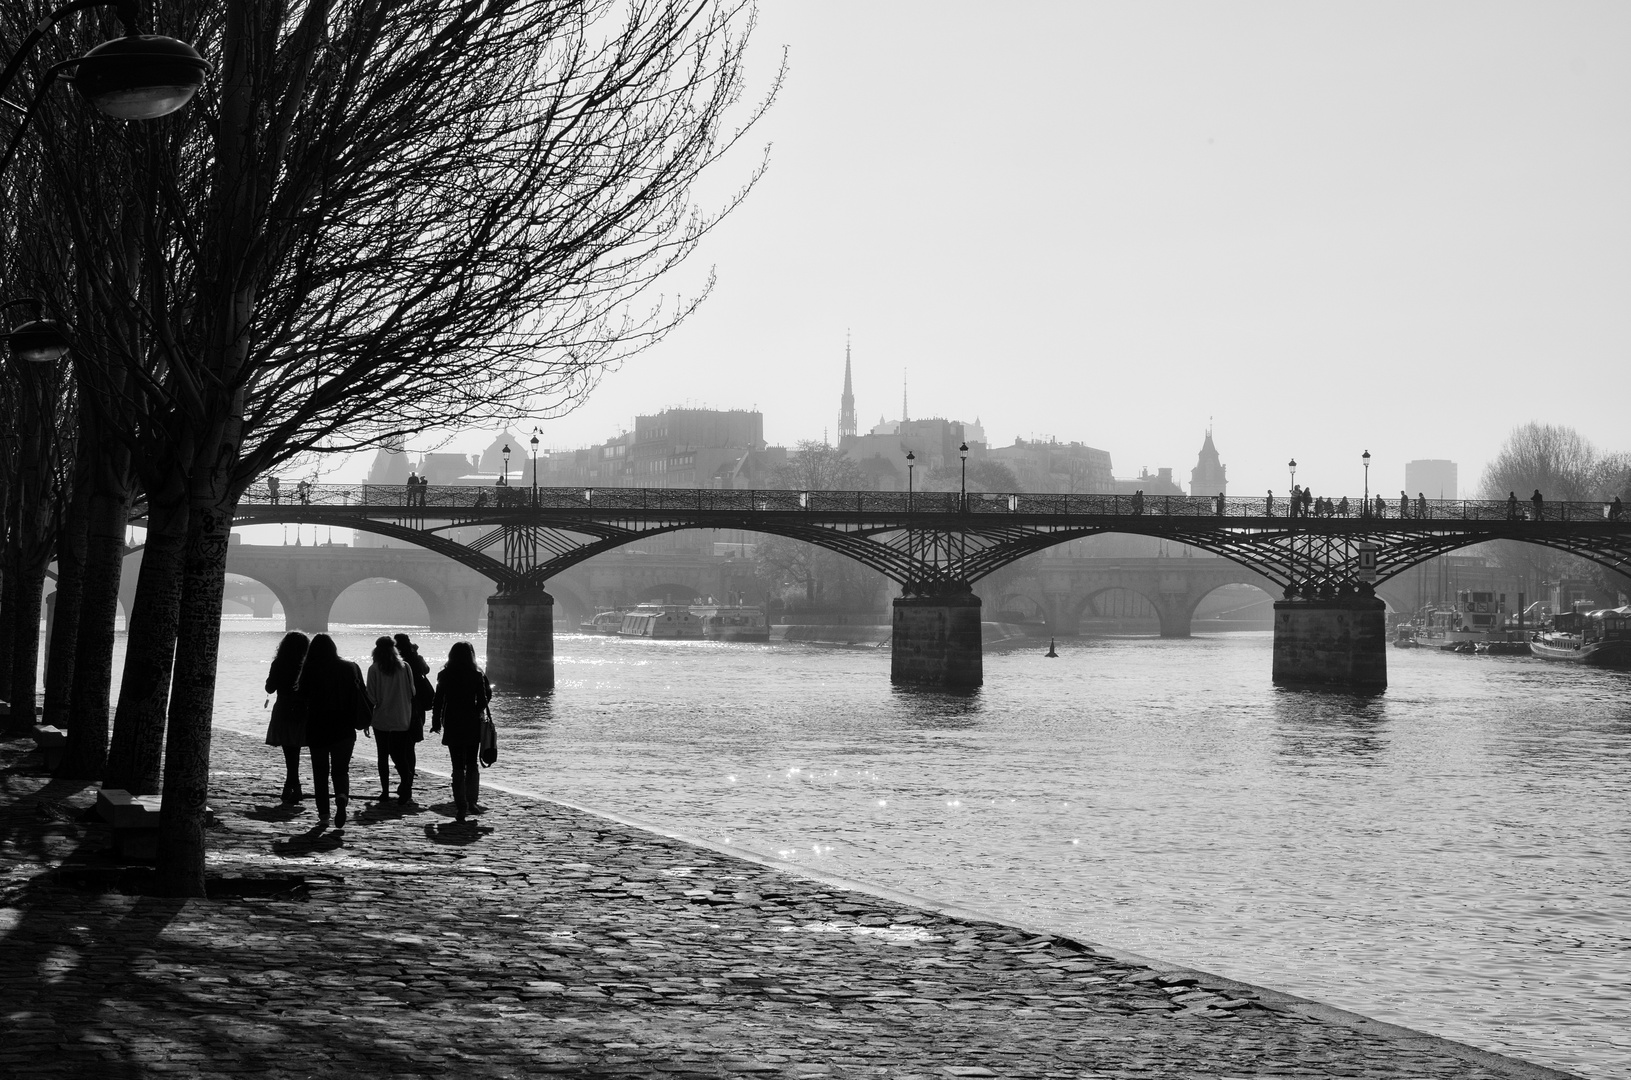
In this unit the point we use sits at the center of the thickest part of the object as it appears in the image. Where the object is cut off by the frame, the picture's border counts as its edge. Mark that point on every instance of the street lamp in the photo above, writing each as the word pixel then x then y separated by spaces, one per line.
pixel 911 459
pixel 505 479
pixel 135 77
pixel 38 341
pixel 1366 456
pixel 963 450
pixel 535 466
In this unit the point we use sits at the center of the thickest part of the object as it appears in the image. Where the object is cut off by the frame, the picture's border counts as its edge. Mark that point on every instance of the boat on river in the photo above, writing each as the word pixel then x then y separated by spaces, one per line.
pixel 732 622
pixel 1601 638
pixel 606 622
pixel 663 621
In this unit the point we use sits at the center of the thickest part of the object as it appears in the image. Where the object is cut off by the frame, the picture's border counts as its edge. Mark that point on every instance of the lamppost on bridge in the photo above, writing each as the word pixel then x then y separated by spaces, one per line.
pixel 1366 456
pixel 505 479
pixel 911 462
pixel 535 466
pixel 963 450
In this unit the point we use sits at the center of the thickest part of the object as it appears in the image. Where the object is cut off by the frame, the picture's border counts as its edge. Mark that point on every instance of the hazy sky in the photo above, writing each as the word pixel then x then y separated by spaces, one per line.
pixel 1323 228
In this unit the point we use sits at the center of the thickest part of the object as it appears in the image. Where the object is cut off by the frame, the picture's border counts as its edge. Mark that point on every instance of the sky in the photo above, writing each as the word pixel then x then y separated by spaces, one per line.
pixel 1319 229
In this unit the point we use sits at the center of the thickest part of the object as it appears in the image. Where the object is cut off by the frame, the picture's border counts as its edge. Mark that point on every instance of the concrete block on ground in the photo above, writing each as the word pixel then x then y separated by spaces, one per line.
pixel 53 742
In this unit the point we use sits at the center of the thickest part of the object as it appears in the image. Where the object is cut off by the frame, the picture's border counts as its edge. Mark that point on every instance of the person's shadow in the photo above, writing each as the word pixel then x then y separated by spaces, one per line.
pixel 315 840
pixel 456 833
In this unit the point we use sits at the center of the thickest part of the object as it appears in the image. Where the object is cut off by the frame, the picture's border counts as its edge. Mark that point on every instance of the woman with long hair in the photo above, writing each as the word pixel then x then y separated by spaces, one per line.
pixel 287 728
pixel 462 693
pixel 329 686
pixel 390 687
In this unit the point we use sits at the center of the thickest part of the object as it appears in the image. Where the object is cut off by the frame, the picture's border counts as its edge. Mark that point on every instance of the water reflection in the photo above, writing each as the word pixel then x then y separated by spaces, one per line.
pixel 1313 727
pixel 933 709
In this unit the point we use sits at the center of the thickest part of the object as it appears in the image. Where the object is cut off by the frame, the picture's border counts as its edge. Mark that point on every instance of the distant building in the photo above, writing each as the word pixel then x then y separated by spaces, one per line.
pixel 846 404
pixel 1052 467
pixel 1207 477
pixel 1433 478
pixel 933 441
pixel 1159 482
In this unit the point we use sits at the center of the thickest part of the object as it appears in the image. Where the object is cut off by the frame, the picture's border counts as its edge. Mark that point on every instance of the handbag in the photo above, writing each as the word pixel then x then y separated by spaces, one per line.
pixel 362 706
pixel 489 740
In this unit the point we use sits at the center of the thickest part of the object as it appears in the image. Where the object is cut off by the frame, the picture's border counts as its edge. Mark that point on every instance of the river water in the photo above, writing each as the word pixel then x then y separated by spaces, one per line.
pixel 1451 855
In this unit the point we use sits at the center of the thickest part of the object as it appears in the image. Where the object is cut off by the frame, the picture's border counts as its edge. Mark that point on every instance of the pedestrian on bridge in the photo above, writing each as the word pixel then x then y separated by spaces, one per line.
pixel 462 694
pixel 390 686
pixel 1268 504
pixel 1512 506
pixel 287 728
pixel 1536 501
pixel 271 489
pixel 1615 509
pixel 1342 507
pixel 1421 505
pixel 412 488
pixel 1404 505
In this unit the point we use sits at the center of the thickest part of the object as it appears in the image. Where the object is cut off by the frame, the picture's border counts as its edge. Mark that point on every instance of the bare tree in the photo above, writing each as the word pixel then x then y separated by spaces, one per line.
pixel 375 219
pixel 818 466
pixel 1562 465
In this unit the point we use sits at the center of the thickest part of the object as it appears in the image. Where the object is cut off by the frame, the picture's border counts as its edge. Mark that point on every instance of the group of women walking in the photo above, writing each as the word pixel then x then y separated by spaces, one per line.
pixel 324 700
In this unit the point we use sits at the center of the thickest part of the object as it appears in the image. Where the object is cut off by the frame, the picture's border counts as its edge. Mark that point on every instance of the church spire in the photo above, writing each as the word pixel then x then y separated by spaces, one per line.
pixel 904 415
pixel 846 408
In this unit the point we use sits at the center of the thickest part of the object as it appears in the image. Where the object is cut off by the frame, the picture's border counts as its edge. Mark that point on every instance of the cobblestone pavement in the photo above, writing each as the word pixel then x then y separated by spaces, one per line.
pixel 544 940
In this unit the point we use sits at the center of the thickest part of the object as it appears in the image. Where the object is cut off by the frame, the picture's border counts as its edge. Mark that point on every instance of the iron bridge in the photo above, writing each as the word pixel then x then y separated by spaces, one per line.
pixel 937 543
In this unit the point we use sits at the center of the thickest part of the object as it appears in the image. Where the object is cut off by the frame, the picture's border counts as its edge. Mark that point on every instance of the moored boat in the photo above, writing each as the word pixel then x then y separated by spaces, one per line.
pixel 1600 638
pixel 606 622
pixel 668 621
pixel 721 622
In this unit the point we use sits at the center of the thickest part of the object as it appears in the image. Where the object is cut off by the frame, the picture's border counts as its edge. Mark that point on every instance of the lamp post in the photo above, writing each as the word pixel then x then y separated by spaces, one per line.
pixel 134 77
pixel 505 479
pixel 963 450
pixel 1366 457
pixel 535 466
pixel 38 341
pixel 911 460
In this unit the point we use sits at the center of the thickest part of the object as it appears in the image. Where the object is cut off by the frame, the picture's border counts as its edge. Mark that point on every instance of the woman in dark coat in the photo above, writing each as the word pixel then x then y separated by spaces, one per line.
pixel 287 728
pixel 329 686
pixel 462 693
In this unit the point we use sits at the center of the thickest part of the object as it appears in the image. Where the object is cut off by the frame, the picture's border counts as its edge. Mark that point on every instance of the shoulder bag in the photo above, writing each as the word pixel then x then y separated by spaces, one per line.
pixel 489 740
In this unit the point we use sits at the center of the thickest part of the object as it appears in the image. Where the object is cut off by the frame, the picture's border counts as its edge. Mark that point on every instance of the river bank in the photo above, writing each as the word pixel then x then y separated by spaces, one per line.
pixel 546 939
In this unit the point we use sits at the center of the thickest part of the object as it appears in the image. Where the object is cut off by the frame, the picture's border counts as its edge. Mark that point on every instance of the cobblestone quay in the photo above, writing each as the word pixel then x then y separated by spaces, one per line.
pixel 546 940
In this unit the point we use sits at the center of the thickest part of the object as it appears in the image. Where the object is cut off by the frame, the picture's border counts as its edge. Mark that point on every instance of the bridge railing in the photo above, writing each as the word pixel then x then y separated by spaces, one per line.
pixel 646 500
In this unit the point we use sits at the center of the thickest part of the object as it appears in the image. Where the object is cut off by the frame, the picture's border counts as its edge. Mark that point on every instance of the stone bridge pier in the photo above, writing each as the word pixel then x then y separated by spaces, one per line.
pixel 521 640
pixel 936 640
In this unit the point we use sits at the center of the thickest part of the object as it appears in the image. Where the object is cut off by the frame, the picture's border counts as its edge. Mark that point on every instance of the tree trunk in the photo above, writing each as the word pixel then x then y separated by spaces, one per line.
pixel 10 560
pixel 85 756
pixel 25 658
pixel 136 752
pixel 64 643
pixel 192 704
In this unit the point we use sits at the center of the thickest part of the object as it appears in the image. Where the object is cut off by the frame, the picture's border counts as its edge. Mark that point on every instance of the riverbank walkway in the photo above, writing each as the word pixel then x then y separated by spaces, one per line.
pixel 543 940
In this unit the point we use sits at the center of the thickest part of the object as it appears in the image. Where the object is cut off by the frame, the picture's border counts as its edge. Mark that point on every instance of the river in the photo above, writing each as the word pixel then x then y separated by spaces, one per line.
pixel 1450 855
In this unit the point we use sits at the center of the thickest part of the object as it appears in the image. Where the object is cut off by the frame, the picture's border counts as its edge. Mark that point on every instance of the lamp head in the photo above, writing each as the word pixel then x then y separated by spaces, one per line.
pixel 140 76
pixel 910 456
pixel 534 444
pixel 41 341
pixel 506 453
pixel 963 450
